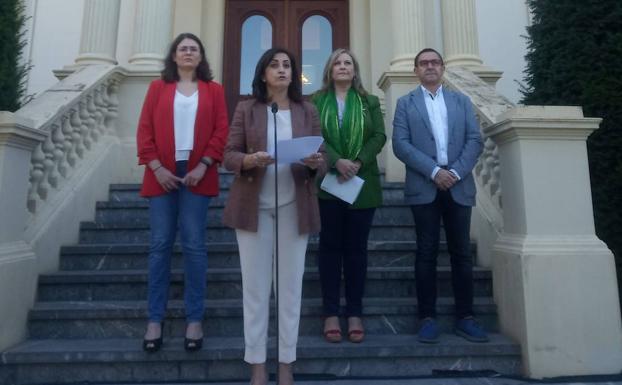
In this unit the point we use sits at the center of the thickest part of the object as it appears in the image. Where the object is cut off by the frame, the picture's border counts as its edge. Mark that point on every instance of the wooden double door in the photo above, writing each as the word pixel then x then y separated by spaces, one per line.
pixel 310 29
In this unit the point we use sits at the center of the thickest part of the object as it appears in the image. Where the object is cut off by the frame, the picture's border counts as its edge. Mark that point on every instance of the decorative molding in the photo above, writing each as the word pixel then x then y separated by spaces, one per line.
pixel 18 132
pixel 17 251
pixel 544 123
pixel 554 245
pixel 387 79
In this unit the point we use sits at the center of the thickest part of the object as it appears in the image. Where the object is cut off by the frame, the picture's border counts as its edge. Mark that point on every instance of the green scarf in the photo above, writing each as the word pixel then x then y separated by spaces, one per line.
pixel 347 140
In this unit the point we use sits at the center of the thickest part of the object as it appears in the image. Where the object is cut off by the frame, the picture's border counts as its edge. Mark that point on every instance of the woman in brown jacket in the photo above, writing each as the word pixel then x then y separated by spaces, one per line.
pixel 251 210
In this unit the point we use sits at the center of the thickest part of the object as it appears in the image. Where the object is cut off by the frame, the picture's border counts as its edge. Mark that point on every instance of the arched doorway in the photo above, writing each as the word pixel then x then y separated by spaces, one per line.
pixel 310 29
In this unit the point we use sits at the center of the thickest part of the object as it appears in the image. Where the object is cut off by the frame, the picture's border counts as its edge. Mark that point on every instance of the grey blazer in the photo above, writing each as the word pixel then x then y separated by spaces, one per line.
pixel 413 144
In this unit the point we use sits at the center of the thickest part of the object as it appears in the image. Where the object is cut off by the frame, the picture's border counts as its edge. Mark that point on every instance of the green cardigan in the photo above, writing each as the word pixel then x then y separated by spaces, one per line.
pixel 373 141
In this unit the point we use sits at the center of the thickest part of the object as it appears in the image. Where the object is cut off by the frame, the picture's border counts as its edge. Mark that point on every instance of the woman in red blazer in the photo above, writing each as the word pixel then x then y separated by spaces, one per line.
pixel 181 137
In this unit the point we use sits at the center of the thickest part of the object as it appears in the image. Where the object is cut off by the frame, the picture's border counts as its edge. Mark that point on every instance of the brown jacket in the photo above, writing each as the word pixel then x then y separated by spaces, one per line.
pixel 248 134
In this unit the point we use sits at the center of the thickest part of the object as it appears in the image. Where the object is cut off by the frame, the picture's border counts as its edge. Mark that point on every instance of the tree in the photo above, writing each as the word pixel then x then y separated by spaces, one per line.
pixel 12 42
pixel 575 58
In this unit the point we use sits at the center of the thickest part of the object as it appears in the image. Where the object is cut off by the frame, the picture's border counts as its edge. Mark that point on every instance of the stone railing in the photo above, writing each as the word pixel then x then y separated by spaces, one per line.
pixel 57 155
pixel 75 114
pixel 489 105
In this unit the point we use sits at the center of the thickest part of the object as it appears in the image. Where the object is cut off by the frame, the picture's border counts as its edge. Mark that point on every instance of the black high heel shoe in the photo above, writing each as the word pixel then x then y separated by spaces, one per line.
pixel 192 345
pixel 152 346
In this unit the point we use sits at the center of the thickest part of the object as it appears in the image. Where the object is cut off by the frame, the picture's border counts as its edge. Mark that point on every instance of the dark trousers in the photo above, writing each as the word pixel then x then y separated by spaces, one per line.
pixel 457 221
pixel 343 245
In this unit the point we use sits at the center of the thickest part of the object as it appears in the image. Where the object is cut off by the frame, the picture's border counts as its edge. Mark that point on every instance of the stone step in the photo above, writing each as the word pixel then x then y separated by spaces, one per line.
pixel 130 192
pixel 62 361
pixel 225 283
pixel 137 213
pixel 391 195
pixel 223 254
pixel 93 232
pixel 223 318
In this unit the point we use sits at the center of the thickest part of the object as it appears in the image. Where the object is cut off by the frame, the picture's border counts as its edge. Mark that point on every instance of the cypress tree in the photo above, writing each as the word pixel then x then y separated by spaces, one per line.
pixel 575 58
pixel 12 73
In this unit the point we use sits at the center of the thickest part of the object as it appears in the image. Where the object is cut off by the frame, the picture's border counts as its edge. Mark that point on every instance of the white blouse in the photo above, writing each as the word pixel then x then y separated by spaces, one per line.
pixel 184 116
pixel 287 187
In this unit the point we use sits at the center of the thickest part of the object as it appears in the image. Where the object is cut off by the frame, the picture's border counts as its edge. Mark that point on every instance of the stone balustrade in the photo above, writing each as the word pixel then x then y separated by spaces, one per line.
pixel 57 155
pixel 488 105
pixel 75 114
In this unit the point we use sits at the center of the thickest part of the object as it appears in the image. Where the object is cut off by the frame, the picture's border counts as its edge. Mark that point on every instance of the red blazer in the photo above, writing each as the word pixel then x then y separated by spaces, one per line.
pixel 155 136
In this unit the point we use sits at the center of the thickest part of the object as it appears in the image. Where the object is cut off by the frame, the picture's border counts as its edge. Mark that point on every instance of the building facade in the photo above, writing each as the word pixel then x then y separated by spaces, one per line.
pixel 551 274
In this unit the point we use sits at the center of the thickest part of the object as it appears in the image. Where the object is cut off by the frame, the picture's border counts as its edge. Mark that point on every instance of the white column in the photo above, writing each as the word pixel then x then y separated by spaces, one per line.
pixel 460 38
pixel 100 23
pixel 213 34
pixel 152 32
pixel 408 32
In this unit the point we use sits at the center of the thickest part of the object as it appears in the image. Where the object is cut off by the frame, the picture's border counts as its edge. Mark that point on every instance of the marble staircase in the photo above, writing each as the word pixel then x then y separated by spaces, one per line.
pixel 89 317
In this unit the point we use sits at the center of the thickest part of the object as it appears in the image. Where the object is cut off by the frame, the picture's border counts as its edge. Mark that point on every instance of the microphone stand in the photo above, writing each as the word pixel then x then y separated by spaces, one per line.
pixel 275 108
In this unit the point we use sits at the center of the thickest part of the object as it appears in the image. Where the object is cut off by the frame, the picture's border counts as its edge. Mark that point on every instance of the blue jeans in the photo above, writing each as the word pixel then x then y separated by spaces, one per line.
pixel 165 212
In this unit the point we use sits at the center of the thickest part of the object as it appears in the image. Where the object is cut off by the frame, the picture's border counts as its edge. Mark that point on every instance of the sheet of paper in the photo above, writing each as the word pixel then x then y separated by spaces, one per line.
pixel 347 191
pixel 293 150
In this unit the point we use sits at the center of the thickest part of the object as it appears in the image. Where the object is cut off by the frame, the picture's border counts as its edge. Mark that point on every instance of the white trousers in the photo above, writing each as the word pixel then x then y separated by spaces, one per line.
pixel 256 259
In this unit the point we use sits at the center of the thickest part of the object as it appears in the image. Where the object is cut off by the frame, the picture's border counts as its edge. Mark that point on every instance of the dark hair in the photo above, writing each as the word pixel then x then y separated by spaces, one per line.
pixel 260 91
pixel 327 77
pixel 169 74
pixel 428 50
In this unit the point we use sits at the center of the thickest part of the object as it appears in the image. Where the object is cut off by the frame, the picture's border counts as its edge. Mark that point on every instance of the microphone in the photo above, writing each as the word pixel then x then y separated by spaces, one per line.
pixel 275 108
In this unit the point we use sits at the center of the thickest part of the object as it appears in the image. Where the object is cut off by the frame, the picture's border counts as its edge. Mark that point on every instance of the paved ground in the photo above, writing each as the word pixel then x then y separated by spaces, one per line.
pixel 603 380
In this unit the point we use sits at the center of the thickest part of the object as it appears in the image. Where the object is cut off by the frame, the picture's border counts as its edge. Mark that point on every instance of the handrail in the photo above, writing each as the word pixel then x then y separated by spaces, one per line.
pixel 76 114
pixel 488 105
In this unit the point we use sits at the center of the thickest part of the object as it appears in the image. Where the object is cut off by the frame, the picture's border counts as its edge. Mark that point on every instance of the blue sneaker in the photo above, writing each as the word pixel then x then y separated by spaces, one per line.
pixel 469 329
pixel 428 332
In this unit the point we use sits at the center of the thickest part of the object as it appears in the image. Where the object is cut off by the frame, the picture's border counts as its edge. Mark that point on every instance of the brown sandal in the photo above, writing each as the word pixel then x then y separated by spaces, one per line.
pixel 356 335
pixel 332 335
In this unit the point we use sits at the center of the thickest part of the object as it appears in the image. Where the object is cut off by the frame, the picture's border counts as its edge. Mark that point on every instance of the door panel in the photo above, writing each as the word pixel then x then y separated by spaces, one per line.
pixel 287 18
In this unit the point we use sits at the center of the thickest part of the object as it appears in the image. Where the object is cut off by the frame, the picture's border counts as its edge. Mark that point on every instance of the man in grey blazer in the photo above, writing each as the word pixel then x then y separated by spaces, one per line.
pixel 436 135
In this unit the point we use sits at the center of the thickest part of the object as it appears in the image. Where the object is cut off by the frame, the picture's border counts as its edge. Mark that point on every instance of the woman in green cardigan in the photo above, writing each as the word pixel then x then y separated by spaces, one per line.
pixel 353 130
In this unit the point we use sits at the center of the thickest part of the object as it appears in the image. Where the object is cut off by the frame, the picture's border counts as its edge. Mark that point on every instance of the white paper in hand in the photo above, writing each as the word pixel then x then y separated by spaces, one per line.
pixel 347 191
pixel 294 150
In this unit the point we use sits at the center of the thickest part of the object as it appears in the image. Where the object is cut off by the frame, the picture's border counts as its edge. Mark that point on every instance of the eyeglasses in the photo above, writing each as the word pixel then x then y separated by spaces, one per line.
pixel 434 63
pixel 190 49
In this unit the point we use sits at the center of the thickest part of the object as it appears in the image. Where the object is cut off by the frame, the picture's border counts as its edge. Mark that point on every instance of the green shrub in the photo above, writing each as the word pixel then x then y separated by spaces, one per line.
pixel 12 73
pixel 575 58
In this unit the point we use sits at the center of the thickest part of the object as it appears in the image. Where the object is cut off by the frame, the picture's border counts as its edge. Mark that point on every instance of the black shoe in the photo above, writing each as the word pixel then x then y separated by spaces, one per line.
pixel 151 346
pixel 192 345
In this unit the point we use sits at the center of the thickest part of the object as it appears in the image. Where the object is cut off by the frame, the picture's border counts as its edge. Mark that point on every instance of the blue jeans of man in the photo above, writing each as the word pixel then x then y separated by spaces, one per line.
pixel 166 211
pixel 343 245
pixel 457 221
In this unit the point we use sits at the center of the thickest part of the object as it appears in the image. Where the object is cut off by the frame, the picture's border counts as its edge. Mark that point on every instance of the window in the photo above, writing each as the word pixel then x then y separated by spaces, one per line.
pixel 256 39
pixel 317 44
